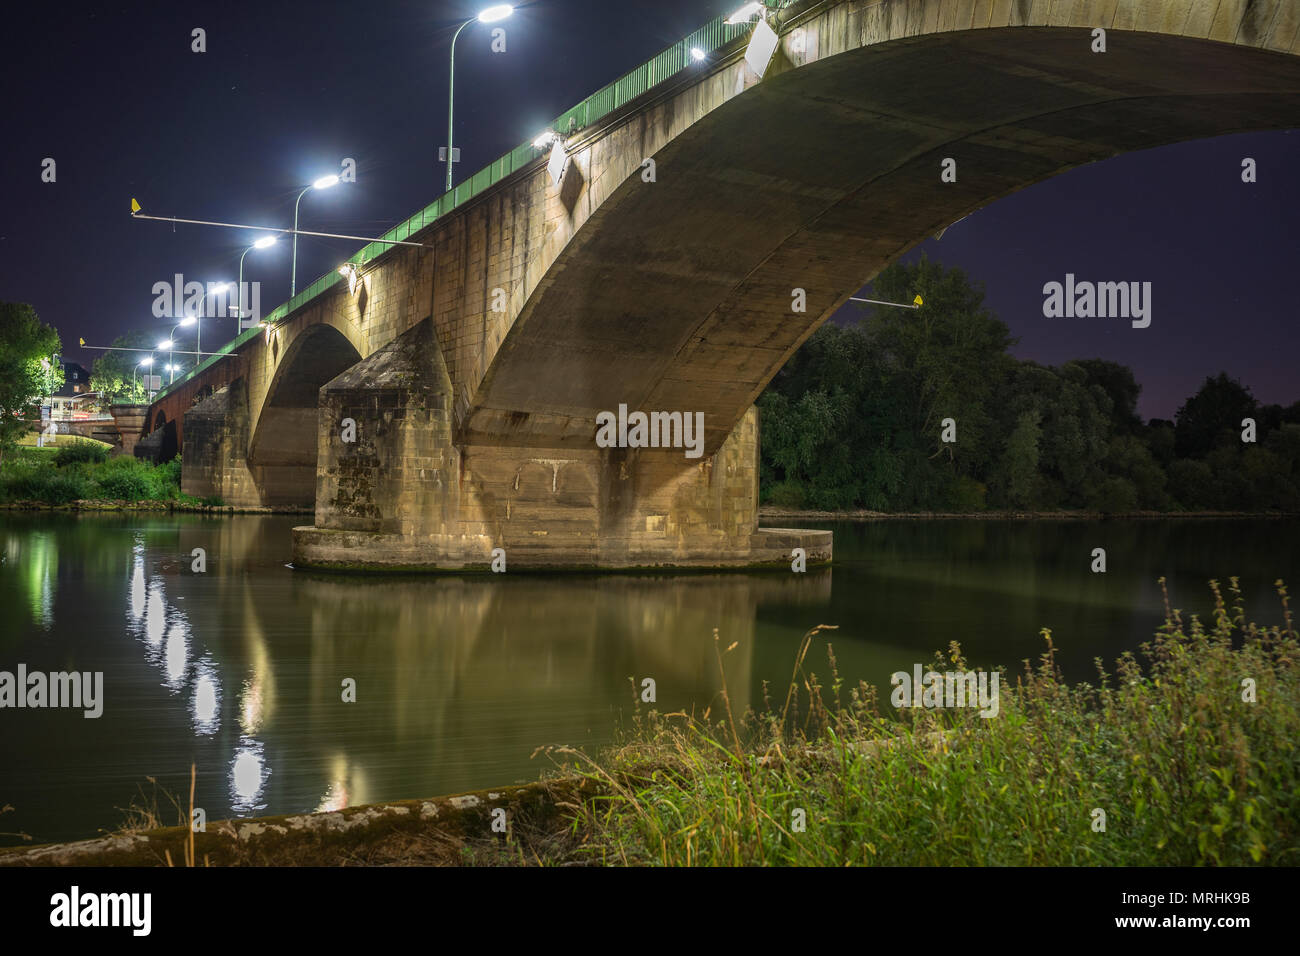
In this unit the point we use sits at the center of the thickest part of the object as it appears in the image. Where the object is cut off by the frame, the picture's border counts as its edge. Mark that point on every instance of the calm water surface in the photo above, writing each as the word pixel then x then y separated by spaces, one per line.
pixel 459 680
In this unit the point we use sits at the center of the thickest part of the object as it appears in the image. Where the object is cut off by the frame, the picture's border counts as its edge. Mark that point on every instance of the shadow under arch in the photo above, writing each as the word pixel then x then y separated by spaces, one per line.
pixel 282 453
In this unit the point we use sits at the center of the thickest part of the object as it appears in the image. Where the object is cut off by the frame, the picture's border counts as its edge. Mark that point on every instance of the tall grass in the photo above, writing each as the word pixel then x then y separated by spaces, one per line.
pixel 1185 770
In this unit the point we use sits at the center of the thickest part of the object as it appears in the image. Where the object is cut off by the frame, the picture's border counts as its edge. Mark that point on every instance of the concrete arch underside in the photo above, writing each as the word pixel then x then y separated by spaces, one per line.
pixel 676 295
pixel 265 454
pixel 282 453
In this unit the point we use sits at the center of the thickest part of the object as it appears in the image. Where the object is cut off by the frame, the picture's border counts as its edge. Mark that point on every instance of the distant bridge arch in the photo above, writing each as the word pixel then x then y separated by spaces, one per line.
pixel 283 449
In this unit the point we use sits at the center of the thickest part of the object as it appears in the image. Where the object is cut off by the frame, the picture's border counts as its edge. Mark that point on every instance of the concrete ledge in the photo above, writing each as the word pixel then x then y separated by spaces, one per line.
pixel 334 550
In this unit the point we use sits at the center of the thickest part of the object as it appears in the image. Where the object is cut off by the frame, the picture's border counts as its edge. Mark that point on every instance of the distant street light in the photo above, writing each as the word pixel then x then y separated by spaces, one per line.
pixel 264 243
pixel 192 319
pixel 325 182
pixel 166 346
pixel 146 362
pixel 490 15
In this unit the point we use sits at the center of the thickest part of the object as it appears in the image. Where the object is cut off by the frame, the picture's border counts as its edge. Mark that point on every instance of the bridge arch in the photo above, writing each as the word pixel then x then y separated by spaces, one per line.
pixel 283 448
pixel 677 295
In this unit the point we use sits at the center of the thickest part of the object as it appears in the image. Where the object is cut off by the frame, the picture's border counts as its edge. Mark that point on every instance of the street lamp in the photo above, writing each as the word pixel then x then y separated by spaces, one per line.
pixel 325 182
pixel 185 323
pixel 490 15
pixel 166 346
pixel 264 243
pixel 169 342
pixel 146 362
pixel 192 319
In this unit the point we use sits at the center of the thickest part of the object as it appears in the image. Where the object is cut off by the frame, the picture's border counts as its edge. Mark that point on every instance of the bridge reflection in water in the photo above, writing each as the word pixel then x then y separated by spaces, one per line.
pixel 241 668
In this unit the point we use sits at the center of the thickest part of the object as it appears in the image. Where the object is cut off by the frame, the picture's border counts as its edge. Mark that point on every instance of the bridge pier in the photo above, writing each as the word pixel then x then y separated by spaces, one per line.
pixel 404 496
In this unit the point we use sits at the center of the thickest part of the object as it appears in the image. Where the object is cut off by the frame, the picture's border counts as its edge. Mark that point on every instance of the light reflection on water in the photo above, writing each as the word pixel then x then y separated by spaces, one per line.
pixel 205 704
pixel 459 680
pixel 248 774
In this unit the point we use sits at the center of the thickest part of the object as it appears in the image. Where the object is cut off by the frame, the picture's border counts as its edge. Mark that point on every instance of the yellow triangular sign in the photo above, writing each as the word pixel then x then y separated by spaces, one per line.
pixel 135 207
pixel 917 301
pixel 82 341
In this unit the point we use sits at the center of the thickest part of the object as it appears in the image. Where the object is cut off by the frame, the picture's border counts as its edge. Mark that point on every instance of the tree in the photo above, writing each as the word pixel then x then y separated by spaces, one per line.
pixel 28 370
pixel 1212 417
pixel 1018 470
pixel 1121 388
pixel 115 374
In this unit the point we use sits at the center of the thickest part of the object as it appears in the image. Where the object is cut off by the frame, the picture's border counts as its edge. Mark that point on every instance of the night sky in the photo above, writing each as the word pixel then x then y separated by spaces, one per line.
pixel 286 90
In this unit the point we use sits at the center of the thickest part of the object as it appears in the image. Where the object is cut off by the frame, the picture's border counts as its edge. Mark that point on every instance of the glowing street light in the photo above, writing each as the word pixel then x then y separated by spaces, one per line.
pixel 325 182
pixel 166 346
pixel 490 15
pixel 146 362
pixel 193 319
pixel 697 54
pixel 264 243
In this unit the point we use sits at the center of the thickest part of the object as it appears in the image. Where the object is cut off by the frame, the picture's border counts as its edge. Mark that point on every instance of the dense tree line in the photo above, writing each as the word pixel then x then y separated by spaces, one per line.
pixel 855 418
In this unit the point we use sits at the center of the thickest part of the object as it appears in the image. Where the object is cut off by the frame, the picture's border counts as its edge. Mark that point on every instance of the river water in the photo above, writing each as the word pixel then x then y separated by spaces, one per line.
pixel 458 680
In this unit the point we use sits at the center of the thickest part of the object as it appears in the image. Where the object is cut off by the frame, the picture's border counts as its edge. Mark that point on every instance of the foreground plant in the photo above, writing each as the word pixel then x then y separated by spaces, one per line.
pixel 1189 761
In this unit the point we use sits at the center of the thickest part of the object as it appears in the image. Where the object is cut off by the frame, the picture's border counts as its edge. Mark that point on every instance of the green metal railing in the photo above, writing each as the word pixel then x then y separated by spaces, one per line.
pixel 668 64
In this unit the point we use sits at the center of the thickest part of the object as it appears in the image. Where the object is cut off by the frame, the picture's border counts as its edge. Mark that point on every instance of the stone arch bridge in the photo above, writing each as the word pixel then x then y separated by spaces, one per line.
pixel 475 427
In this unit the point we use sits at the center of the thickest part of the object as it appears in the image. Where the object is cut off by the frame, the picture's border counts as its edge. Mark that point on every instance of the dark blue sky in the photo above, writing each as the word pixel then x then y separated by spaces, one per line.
pixel 286 90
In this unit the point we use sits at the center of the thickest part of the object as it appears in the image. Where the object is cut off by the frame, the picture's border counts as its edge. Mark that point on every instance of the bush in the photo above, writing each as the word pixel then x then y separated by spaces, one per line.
pixel 165 480
pixel 81 451
pixel 787 494
pixel 126 478
pixel 29 480
pixel 968 495
pixel 1114 495
pixel 33 476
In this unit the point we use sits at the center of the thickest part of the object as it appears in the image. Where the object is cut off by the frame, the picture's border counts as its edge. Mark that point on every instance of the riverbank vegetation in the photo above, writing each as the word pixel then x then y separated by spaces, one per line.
pixel 82 471
pixel 855 421
pixel 1188 760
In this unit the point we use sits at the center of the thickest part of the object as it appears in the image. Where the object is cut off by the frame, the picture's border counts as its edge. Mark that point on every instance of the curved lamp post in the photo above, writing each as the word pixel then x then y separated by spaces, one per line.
pixel 166 345
pixel 264 243
pixel 146 362
pixel 490 15
pixel 325 182
pixel 194 319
